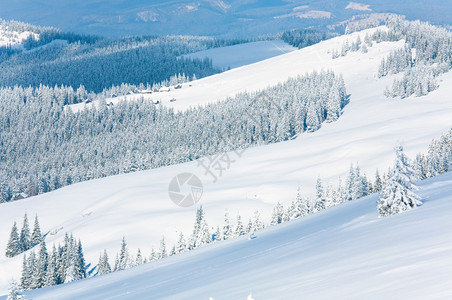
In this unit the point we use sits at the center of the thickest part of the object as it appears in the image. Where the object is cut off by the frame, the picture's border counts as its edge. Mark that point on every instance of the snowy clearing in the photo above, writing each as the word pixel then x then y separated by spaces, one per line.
pixel 243 54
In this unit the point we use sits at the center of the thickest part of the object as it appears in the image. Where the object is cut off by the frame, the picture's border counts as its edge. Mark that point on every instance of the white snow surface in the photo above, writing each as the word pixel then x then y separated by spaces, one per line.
pixel 100 212
pixel 243 54
pixel 345 252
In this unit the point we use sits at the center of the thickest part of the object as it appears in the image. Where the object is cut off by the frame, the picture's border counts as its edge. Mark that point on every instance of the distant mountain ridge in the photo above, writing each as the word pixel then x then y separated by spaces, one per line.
pixel 226 18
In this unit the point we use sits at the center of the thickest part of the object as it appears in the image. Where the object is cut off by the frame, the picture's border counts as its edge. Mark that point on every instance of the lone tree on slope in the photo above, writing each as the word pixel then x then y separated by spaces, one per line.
pixel 396 195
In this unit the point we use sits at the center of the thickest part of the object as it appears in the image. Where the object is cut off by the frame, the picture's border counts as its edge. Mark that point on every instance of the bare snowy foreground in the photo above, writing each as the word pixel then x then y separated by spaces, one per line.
pixel 136 205
pixel 345 252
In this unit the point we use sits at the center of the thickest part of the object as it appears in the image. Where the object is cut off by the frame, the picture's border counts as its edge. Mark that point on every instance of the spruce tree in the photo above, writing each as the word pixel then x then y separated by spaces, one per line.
pixel 70 274
pixel 349 184
pixel 41 266
pixel 173 251
pixel 153 255
pixel 218 234
pixel 25 280
pixel 378 182
pixel 239 229
pixel 103 266
pixel 79 261
pixel 123 257
pixel 294 210
pixel 13 247
pixel 359 185
pixel 250 226
pixel 36 237
pixel 201 234
pixel 14 292
pixel 32 264
pixel 162 250
pixel 227 228
pixel 139 258
pixel 181 245
pixel 278 214
pixel 256 223
pixel 25 236
pixel 51 274
pixel 320 197
pixel 397 195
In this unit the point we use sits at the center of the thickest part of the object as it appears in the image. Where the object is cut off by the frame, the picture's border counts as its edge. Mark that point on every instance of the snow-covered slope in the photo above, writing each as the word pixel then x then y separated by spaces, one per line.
pixel 243 54
pixel 269 72
pixel 346 252
pixel 137 205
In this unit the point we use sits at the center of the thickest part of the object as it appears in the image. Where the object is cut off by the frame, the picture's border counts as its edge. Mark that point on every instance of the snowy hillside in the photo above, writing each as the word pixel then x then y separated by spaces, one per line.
pixel 137 206
pixel 346 252
pixel 269 72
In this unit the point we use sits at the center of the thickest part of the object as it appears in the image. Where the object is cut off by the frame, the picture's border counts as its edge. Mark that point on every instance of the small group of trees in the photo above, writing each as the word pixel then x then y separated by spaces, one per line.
pixel 426 54
pixel 431 47
pixel 397 61
pixel 301 38
pixel 201 235
pixel 357 45
pixel 419 81
pixel 24 240
pixel 65 263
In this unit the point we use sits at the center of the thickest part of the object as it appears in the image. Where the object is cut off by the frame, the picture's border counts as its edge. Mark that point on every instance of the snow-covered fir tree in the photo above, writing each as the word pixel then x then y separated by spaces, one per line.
pixel 14 292
pixel 397 195
pixel 103 267
pixel 25 236
pixel 51 276
pixel 277 215
pixel 256 223
pixel 319 196
pixel 139 260
pixel 218 235
pixel 13 246
pixel 36 236
pixel 300 207
pixel 122 260
pixel 153 255
pixel 162 250
pixel 181 244
pixel 39 275
pixel 70 274
pixel 227 227
pixel 239 229
pixel 201 234
pixel 173 251
pixel 378 185
pixel 25 280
